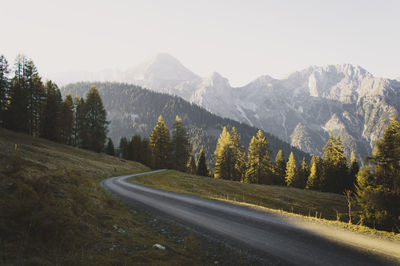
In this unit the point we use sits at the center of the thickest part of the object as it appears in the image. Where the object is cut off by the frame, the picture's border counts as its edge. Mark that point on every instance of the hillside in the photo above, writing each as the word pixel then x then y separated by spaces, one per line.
pixel 133 110
pixel 302 109
pixel 54 212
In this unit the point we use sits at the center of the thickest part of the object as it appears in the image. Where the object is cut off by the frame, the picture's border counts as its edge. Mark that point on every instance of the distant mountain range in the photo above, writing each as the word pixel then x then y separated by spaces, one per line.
pixel 302 109
pixel 133 110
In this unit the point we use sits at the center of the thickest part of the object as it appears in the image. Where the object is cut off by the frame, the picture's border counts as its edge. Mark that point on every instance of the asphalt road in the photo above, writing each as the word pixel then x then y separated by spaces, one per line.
pixel 279 239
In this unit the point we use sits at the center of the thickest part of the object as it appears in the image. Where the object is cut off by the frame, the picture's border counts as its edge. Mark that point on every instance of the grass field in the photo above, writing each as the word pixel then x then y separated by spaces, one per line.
pixel 54 212
pixel 305 202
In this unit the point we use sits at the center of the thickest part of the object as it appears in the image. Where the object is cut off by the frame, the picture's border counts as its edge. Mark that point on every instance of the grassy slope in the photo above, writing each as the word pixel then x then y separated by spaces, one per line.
pixel 54 212
pixel 328 206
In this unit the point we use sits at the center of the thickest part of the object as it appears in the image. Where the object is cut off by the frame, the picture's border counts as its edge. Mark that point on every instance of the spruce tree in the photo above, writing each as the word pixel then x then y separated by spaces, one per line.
pixel 49 126
pixel 291 171
pixel 353 170
pixel 239 156
pixel 66 121
pixel 224 157
pixel 160 145
pixel 110 148
pixel 96 122
pixel 191 165
pixel 180 145
pixel 259 166
pixel 123 148
pixel 314 179
pixel 279 169
pixel 378 185
pixel 4 89
pixel 202 169
pixel 303 173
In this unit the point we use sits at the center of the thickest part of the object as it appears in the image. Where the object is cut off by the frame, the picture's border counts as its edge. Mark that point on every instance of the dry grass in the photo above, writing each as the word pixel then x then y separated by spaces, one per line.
pixel 54 212
pixel 305 202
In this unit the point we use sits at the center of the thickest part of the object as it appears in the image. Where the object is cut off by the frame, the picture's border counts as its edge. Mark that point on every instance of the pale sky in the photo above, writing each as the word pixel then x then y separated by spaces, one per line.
pixel 239 39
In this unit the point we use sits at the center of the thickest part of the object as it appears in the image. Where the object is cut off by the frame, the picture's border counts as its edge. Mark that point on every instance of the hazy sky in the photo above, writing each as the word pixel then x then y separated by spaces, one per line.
pixel 240 39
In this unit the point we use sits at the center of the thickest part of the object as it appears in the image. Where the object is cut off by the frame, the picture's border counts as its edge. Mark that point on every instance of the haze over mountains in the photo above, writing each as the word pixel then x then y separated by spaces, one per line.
pixel 302 109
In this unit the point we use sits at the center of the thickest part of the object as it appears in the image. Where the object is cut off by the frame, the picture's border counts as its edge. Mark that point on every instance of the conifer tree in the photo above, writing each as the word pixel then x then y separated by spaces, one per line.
pixel 202 169
pixel 123 148
pixel 191 165
pixel 66 121
pixel 291 171
pixel 81 125
pixel 95 130
pixel 180 145
pixel 378 185
pixel 279 169
pixel 353 170
pixel 239 156
pixel 160 145
pixel 110 147
pixel 34 89
pixel 145 152
pixel 4 89
pixel 314 179
pixel 224 157
pixel 303 173
pixel 259 166
pixel 51 112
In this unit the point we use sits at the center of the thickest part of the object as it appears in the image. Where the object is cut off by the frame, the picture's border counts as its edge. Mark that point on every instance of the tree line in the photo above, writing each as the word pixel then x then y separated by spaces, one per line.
pixel 30 106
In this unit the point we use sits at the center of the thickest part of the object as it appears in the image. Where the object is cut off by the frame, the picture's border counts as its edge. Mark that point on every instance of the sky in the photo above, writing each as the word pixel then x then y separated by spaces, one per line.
pixel 239 39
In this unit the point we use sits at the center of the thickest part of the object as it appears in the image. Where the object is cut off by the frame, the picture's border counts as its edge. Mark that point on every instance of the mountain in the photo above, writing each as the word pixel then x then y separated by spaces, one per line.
pixel 133 110
pixel 303 109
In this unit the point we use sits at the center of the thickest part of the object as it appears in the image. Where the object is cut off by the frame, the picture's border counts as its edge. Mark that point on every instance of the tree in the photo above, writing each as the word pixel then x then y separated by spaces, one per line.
pixel 191 165
pixel 66 121
pixel 110 148
pixel 51 112
pixel 34 89
pixel 353 170
pixel 314 179
pixel 94 131
pixel 239 156
pixel 224 157
pixel 303 173
pixel 378 185
pixel 180 145
pixel 160 145
pixel 291 171
pixel 259 166
pixel 202 169
pixel 123 148
pixel 4 89
pixel 335 174
pixel 279 169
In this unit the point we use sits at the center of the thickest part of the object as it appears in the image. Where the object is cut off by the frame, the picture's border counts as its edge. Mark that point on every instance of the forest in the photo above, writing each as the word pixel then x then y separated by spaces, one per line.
pixel 34 107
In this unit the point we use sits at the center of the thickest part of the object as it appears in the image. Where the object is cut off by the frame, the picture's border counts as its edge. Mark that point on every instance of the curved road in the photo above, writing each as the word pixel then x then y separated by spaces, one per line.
pixel 280 239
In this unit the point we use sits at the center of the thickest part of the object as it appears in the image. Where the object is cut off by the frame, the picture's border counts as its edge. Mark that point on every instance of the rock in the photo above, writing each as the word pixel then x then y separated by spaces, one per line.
pixel 121 231
pixel 159 246
pixel 115 226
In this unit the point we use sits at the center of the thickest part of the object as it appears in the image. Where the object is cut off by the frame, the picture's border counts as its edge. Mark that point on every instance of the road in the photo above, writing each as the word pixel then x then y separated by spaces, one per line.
pixel 280 239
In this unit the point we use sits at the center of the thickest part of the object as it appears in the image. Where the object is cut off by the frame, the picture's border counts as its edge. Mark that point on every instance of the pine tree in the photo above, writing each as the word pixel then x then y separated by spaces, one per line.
pixel 353 170
pixel 335 176
pixel 66 121
pixel 291 171
pixel 4 89
pixel 259 166
pixel 202 169
pixel 50 112
pixel 191 165
pixel 110 148
pixel 279 169
pixel 123 148
pixel 180 145
pixel 316 170
pixel 34 89
pixel 224 157
pixel 303 173
pixel 378 185
pixel 81 125
pixel 145 152
pixel 160 145
pixel 95 131
pixel 239 156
